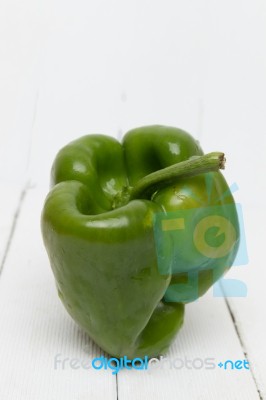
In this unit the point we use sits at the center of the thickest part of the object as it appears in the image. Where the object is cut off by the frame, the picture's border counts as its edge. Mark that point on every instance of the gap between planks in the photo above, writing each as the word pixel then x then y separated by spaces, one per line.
pixel 241 341
pixel 13 226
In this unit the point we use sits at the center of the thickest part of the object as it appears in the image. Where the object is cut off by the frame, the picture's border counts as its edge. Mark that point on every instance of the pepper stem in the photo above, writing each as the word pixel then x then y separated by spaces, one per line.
pixel 194 166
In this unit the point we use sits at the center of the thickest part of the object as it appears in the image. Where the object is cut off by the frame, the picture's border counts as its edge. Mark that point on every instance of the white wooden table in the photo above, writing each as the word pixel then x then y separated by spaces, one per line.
pixel 71 68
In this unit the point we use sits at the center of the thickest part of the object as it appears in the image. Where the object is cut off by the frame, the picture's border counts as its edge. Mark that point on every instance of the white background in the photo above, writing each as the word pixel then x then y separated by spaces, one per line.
pixel 71 68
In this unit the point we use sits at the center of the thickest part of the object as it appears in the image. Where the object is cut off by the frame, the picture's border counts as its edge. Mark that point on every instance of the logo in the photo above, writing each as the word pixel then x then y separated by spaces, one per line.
pixel 198 245
pixel 145 364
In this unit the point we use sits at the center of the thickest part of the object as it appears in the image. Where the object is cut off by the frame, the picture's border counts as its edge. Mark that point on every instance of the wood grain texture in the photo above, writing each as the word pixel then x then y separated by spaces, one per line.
pixel 208 333
pixel 38 340
pixel 107 66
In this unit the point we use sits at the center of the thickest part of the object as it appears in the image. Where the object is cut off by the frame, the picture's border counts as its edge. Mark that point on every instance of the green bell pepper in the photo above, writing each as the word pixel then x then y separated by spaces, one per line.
pixel 98 229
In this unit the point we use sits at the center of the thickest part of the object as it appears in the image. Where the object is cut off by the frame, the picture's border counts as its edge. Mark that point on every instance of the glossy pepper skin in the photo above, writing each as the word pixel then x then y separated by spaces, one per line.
pixel 100 238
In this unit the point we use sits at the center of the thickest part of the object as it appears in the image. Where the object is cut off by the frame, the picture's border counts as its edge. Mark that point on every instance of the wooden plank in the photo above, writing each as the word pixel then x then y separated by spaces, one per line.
pixel 234 122
pixel 19 45
pixel 208 333
pixel 248 312
pixel 234 101
pixel 36 334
